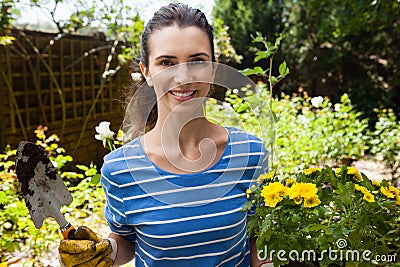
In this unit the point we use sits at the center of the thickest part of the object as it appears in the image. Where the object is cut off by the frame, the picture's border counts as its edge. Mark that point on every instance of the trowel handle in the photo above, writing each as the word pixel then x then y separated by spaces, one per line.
pixel 68 231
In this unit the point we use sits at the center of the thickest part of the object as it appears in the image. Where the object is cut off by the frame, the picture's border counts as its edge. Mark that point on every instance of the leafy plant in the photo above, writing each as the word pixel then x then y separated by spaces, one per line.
pixel 320 210
pixel 222 41
pixel 17 231
pixel 305 134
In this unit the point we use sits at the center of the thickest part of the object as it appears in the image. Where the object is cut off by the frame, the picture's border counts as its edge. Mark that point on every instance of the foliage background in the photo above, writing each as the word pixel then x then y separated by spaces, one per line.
pixel 332 47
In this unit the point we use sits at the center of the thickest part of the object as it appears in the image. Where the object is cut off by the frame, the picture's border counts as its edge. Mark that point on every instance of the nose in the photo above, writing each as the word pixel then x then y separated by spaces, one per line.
pixel 182 74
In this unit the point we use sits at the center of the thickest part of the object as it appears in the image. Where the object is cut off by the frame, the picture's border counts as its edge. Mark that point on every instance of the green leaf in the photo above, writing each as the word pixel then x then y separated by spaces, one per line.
pixel 243 107
pixel 261 55
pixel 82 167
pixel 95 179
pixel 91 172
pixel 273 80
pixel 258 70
pixel 248 72
pixel 283 69
pixel 345 192
pixel 247 206
pixel 275 117
pixel 258 38
pixel 278 40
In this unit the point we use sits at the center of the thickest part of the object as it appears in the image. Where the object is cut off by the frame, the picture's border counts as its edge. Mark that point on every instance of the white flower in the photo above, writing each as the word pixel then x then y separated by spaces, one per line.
pixel 55 164
pixel 235 91
pixel 317 101
pixel 136 76
pixel 302 119
pixel 337 107
pixel 104 132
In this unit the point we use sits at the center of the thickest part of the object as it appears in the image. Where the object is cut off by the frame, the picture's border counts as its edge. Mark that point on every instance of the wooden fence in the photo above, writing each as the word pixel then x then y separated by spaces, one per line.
pixel 52 80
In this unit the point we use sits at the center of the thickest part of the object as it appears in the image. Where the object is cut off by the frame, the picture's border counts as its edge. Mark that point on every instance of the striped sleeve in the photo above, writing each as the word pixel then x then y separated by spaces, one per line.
pixel 114 208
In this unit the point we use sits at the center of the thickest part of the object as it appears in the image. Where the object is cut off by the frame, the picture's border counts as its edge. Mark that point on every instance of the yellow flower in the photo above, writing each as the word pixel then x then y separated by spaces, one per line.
pixel 394 190
pixel 53 146
pixel 267 176
pixel 355 172
pixel 298 200
pixel 8 176
pixel 272 199
pixel 311 170
pixel 311 201
pixel 270 175
pixel 40 134
pixel 120 135
pixel 298 191
pixel 294 192
pixel 398 200
pixel 376 183
pixel 276 187
pixel 368 197
pixel 6 40
pixel 387 192
pixel 358 177
pixel 273 193
pixel 306 189
pixel 362 189
pixel 248 191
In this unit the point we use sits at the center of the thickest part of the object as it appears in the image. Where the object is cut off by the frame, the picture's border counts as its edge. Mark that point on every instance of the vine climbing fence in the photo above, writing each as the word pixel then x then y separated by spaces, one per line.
pixel 64 82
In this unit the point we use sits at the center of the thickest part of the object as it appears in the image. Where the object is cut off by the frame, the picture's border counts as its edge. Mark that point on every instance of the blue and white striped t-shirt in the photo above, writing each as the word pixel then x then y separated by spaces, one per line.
pixel 183 219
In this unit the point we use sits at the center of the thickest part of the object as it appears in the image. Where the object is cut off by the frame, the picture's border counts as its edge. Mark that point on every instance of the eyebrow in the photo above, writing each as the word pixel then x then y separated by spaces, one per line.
pixel 191 56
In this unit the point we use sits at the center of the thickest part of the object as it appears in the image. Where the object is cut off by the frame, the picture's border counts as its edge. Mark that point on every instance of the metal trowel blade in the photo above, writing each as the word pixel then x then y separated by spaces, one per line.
pixel 43 190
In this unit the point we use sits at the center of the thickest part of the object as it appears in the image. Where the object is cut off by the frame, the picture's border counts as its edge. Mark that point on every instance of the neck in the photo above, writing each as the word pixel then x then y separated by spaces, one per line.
pixel 179 130
pixel 184 124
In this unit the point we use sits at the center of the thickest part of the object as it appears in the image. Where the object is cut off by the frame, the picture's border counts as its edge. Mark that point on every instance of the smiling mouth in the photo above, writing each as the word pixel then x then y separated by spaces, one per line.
pixel 182 94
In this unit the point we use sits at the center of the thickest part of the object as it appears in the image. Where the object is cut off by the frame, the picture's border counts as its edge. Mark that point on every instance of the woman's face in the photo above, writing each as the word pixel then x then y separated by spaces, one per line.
pixel 180 67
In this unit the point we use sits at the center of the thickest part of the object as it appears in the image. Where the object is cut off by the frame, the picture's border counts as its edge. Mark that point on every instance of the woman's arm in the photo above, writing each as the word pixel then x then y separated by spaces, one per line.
pixel 254 261
pixel 125 250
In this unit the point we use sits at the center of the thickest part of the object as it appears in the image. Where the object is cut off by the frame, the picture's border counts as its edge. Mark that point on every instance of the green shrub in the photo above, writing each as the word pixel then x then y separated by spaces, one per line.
pixel 304 135
pixel 385 140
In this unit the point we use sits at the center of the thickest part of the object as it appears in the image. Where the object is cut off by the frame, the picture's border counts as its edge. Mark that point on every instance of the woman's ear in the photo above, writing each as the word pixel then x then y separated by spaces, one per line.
pixel 146 74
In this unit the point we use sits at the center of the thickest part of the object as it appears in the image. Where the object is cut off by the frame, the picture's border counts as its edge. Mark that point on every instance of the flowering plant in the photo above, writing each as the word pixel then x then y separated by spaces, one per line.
pixel 105 135
pixel 337 216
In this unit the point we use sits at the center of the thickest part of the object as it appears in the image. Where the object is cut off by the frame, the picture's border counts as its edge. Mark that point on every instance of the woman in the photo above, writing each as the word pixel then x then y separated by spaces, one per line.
pixel 175 193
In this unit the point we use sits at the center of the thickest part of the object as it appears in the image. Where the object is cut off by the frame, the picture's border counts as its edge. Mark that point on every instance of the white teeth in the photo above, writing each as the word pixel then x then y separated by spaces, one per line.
pixel 181 94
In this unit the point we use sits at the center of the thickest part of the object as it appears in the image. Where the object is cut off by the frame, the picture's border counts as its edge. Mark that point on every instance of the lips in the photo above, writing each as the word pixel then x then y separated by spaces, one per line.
pixel 182 94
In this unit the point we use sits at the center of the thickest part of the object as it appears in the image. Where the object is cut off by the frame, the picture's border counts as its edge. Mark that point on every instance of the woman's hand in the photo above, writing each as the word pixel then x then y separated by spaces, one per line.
pixel 87 250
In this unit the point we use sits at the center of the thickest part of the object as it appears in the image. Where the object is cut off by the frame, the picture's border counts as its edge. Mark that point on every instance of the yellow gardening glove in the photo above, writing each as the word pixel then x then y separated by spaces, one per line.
pixel 87 250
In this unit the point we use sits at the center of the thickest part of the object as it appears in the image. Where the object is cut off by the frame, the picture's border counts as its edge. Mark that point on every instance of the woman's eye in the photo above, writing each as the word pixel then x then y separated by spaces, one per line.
pixel 196 62
pixel 166 63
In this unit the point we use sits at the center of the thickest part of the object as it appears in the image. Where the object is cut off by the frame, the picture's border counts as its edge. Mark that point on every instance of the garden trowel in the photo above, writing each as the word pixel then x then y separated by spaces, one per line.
pixel 43 190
